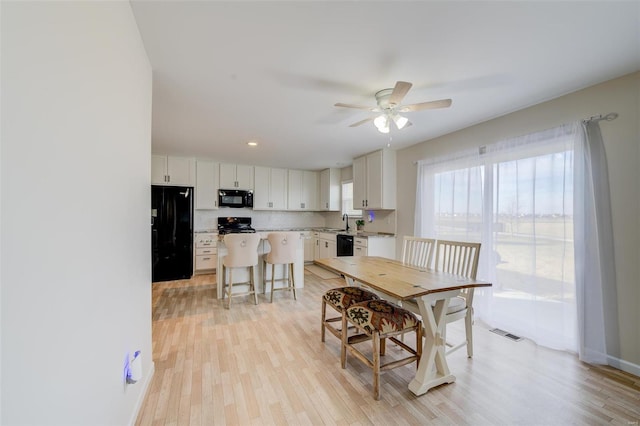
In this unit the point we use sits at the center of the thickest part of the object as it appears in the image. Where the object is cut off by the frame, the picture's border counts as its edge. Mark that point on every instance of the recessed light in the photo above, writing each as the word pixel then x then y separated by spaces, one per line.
pixel 252 143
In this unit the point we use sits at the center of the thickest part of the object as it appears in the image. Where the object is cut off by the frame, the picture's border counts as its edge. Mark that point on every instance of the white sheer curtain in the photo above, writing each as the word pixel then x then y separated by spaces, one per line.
pixel 595 267
pixel 516 197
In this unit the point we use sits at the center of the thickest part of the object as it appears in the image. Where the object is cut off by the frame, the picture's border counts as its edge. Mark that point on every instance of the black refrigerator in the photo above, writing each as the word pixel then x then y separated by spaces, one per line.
pixel 171 233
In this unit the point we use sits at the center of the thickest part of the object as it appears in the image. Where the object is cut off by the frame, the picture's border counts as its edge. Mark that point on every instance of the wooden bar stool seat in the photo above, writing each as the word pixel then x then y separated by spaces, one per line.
pixel 339 299
pixel 379 320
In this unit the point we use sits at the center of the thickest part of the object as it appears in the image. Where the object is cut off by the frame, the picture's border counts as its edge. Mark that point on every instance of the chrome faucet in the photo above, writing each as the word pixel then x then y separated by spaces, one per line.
pixel 345 217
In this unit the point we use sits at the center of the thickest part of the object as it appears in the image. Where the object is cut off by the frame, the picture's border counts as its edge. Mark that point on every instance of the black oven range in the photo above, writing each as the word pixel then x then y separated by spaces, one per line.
pixel 235 225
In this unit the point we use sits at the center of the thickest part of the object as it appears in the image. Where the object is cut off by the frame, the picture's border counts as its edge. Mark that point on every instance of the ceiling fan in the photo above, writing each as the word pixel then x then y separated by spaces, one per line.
pixel 389 106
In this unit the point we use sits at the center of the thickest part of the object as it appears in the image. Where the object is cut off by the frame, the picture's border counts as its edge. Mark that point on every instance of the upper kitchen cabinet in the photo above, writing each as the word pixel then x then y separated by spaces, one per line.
pixel 270 189
pixel 236 176
pixel 374 180
pixel 330 190
pixel 303 190
pixel 176 171
pixel 207 173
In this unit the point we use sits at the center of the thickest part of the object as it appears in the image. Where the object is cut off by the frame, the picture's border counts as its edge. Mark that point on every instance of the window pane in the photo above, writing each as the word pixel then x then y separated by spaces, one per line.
pixel 347 200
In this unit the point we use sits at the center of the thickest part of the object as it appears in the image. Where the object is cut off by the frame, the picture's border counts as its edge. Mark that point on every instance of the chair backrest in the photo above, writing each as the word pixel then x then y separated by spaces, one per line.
pixel 458 258
pixel 418 251
pixel 283 247
pixel 242 250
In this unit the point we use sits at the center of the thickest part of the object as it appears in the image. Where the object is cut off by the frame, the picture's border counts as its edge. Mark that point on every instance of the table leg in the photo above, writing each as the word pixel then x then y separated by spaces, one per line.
pixel 433 370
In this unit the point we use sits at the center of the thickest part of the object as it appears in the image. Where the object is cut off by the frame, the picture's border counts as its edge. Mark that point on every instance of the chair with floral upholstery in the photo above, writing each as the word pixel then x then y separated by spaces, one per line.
pixel 378 320
pixel 340 299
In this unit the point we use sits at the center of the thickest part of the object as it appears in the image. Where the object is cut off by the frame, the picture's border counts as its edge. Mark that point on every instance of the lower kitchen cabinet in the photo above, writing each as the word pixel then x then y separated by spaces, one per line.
pixel 360 246
pixel 375 246
pixel 309 246
pixel 206 252
pixel 325 245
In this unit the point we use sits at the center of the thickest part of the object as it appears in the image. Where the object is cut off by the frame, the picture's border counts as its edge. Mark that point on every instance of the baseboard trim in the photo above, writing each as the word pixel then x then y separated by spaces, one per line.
pixel 143 394
pixel 623 365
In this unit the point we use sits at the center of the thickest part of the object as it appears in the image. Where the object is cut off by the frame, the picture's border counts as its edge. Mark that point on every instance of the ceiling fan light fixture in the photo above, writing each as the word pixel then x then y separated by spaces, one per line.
pixel 382 123
pixel 400 121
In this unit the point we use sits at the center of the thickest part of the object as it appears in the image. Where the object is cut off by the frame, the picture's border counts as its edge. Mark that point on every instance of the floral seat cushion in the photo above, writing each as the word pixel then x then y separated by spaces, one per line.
pixel 382 316
pixel 343 297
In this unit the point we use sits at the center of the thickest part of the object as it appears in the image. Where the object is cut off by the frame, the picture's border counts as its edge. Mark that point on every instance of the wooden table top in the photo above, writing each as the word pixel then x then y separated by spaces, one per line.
pixel 396 279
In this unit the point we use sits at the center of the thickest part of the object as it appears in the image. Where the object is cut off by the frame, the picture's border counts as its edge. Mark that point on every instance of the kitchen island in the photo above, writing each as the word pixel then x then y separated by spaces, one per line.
pixel 242 275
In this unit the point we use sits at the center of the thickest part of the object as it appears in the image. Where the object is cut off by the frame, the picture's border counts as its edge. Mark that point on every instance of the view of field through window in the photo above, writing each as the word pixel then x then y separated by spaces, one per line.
pixel 522 212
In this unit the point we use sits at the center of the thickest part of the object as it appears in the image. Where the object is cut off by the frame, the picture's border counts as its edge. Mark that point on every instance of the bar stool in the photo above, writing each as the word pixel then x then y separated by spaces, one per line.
pixel 283 252
pixel 379 320
pixel 340 299
pixel 242 253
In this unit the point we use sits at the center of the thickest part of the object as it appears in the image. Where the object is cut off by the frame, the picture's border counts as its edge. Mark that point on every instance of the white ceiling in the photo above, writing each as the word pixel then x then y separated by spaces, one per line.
pixel 225 73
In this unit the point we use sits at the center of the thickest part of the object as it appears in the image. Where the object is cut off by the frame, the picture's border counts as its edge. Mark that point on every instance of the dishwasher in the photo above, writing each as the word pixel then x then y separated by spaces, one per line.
pixel 344 245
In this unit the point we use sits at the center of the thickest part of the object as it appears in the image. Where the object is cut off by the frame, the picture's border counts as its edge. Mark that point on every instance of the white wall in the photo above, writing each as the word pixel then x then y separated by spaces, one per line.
pixel 622 144
pixel 75 234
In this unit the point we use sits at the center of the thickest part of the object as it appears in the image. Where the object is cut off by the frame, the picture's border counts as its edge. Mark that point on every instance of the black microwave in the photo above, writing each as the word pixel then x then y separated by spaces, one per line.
pixel 235 198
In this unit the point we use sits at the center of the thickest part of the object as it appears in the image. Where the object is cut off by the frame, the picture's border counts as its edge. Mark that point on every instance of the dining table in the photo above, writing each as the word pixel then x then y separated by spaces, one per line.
pixel 431 289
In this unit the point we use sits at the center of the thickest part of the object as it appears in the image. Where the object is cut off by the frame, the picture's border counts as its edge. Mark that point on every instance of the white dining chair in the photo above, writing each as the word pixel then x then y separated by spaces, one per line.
pixel 242 252
pixel 418 251
pixel 284 246
pixel 459 258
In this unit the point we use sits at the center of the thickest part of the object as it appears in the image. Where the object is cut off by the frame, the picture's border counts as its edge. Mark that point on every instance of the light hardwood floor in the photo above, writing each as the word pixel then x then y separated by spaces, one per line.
pixel 265 364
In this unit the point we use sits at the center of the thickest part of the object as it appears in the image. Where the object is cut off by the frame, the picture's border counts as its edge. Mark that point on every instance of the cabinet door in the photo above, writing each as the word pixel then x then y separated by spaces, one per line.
pixel 206 185
pixel 309 246
pixel 261 193
pixel 294 199
pixel 227 176
pixel 278 188
pixel 374 180
pixel 316 246
pixel 359 182
pixel 180 171
pixel 310 190
pixel 177 171
pixel 333 249
pixel 158 170
pixel 359 251
pixel 244 177
pixel 324 249
pixel 329 190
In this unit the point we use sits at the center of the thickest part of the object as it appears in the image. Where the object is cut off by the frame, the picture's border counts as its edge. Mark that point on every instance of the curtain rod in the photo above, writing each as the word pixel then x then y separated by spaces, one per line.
pixel 608 117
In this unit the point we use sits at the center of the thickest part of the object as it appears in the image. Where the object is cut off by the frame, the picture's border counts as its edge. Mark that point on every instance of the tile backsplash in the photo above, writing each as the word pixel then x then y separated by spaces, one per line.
pixel 208 219
pixel 382 221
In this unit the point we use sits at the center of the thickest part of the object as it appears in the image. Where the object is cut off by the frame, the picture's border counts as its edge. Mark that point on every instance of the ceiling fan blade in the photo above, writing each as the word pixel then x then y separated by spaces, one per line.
pixel 366 108
pixel 361 122
pixel 399 92
pixel 442 103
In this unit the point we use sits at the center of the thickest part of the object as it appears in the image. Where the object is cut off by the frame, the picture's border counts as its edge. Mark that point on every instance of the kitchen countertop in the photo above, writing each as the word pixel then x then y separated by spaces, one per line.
pixel 361 234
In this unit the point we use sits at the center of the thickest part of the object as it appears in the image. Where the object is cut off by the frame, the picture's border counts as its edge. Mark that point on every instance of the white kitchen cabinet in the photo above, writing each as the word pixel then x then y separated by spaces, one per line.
pixel 270 189
pixel 309 245
pixel 236 176
pixel 325 245
pixel 173 171
pixel 207 173
pixel 330 190
pixel 360 246
pixel 381 246
pixel 374 180
pixel 206 251
pixel 302 190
